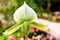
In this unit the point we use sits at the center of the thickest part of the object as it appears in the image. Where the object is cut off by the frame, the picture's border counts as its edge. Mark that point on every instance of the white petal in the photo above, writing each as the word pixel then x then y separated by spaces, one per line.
pixel 24 13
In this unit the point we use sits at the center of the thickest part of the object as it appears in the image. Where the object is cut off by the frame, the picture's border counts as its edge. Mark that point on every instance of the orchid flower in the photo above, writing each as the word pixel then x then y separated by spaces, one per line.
pixel 24 17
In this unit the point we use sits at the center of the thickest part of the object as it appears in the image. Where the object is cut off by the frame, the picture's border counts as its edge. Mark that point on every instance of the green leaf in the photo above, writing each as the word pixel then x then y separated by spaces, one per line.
pixel 39 26
pixel 12 29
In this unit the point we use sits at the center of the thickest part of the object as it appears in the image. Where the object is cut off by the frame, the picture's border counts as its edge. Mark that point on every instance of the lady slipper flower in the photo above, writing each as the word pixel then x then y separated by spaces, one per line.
pixel 24 16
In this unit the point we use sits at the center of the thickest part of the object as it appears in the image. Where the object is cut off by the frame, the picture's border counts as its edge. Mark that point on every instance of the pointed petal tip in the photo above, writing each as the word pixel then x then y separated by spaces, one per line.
pixel 4 33
pixel 24 2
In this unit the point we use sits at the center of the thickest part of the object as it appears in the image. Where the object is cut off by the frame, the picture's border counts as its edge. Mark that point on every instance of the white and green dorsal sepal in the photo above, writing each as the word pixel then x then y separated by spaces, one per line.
pixel 25 13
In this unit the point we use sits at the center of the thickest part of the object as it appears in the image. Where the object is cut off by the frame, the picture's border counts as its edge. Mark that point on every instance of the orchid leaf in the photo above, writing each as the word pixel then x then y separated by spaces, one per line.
pixel 12 29
pixel 39 26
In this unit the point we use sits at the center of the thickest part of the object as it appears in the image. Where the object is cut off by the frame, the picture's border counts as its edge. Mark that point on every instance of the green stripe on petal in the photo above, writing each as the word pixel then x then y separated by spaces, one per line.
pixel 12 29
pixel 39 26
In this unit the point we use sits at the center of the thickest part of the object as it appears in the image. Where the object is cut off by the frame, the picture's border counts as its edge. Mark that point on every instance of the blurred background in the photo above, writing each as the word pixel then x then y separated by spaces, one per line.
pixel 45 9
